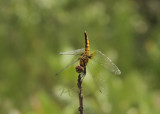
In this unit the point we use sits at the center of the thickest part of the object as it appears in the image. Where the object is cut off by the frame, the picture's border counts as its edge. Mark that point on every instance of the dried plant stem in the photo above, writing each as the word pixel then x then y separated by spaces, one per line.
pixel 79 84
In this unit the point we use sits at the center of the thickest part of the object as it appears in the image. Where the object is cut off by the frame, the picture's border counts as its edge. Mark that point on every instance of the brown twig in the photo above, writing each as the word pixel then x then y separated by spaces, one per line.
pixel 79 84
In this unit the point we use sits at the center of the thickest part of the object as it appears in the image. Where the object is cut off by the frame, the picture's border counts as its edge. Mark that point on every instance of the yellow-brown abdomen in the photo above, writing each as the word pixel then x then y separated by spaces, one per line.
pixel 87 46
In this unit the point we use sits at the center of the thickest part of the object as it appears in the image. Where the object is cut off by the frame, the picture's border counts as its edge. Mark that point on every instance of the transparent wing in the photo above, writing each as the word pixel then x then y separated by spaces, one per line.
pixel 107 63
pixel 68 66
pixel 74 52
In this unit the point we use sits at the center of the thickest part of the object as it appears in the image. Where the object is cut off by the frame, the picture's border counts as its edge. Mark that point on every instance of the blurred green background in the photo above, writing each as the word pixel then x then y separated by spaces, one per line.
pixel 33 32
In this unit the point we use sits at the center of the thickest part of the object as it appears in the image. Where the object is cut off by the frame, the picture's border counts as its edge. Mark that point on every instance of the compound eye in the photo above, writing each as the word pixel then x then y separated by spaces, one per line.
pixel 79 69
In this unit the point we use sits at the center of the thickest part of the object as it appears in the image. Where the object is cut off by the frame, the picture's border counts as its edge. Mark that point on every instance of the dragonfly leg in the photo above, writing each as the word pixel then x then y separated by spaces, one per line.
pixel 84 71
pixel 83 74
pixel 79 78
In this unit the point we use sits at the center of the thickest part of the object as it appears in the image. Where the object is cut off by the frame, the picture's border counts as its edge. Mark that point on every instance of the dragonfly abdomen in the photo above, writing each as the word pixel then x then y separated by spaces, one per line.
pixel 87 46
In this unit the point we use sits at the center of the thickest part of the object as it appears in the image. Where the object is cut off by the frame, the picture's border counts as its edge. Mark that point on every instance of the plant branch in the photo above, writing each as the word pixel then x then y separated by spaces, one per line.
pixel 79 84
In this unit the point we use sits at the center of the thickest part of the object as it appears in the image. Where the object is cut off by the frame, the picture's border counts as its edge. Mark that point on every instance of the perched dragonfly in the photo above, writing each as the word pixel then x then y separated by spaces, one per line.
pixel 84 56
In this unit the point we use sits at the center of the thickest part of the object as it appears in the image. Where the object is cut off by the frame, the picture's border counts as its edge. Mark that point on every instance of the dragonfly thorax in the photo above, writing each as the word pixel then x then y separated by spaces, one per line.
pixel 84 60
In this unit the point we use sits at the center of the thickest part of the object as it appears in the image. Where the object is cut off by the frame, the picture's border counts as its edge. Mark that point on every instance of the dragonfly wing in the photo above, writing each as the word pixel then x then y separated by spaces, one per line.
pixel 68 66
pixel 74 52
pixel 103 60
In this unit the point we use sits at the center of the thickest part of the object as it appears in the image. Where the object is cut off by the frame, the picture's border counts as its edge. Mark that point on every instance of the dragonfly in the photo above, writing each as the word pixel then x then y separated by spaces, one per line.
pixel 84 56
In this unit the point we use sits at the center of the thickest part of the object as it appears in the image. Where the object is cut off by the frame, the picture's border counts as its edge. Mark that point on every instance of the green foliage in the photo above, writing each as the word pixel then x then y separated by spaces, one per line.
pixel 33 32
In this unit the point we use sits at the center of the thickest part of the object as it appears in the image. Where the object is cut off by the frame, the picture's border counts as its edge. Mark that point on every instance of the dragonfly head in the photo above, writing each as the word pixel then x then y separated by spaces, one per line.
pixel 79 69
